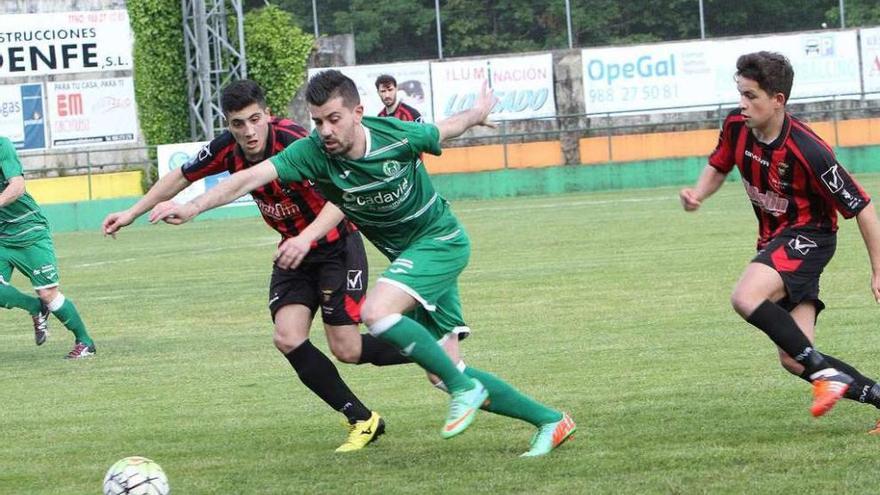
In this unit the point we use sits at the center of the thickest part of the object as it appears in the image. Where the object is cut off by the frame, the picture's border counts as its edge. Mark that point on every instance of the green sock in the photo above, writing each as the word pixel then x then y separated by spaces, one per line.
pixel 69 317
pixel 10 297
pixel 508 401
pixel 415 341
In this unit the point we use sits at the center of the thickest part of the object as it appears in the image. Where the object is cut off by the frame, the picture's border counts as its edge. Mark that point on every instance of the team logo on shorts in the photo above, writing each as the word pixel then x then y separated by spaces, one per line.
pixel 802 244
pixel 355 280
pixel 391 167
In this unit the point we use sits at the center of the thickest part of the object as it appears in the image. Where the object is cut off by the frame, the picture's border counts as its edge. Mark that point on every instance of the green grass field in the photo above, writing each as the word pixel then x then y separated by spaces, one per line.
pixel 613 306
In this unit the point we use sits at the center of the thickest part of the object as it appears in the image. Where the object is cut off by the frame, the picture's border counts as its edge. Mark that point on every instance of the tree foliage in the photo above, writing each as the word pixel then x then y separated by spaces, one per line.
pixel 277 54
pixel 406 29
pixel 159 70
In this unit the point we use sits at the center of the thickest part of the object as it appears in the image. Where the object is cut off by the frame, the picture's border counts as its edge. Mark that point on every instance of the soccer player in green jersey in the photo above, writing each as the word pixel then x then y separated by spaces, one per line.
pixel 25 244
pixel 371 168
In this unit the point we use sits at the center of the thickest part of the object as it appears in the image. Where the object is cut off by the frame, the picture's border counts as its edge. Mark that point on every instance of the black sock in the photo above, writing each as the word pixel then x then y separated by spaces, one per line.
pixel 784 332
pixel 380 353
pixel 862 389
pixel 317 372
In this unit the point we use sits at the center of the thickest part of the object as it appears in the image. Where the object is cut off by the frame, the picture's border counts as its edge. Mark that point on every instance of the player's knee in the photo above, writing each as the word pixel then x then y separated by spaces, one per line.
pixel 286 341
pixel 369 313
pixel 50 295
pixel 373 315
pixel 742 303
pixel 345 353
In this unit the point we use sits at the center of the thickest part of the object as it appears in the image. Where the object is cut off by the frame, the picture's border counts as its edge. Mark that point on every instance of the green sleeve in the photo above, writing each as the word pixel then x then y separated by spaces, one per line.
pixel 296 162
pixel 9 162
pixel 424 137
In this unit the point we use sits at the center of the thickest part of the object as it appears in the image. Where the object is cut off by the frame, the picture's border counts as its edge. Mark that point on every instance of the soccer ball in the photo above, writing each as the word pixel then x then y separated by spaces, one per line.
pixel 136 476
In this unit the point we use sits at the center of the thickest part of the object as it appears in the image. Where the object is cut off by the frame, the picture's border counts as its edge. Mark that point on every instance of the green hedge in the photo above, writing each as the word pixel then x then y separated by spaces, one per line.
pixel 160 70
pixel 277 54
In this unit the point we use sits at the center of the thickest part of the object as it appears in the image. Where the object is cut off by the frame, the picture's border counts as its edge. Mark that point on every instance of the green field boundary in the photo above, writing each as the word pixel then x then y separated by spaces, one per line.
pixel 88 215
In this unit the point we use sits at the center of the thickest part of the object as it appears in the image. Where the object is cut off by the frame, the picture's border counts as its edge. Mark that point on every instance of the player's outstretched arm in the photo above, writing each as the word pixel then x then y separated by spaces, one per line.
pixel 709 182
pixel 14 189
pixel 166 188
pixel 292 251
pixel 869 226
pixel 237 185
pixel 478 114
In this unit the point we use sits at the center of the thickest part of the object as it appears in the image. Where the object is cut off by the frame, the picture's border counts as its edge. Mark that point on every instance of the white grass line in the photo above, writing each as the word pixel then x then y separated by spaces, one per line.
pixel 176 253
pixel 567 204
pixel 571 204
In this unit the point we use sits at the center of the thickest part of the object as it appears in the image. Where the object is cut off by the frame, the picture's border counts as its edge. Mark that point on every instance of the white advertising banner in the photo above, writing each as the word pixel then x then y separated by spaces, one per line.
pixel 826 63
pixel 172 156
pixel 22 118
pixel 645 77
pixel 64 43
pixel 92 111
pixel 652 77
pixel 413 85
pixel 523 85
pixel 871 61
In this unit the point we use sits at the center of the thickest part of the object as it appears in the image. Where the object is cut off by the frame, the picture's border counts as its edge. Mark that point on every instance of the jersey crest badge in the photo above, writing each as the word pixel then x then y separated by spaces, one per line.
pixel 391 168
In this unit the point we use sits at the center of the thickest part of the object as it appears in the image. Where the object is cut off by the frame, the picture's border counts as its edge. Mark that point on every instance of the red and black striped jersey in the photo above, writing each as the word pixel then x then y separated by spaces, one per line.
pixel 403 112
pixel 795 181
pixel 287 208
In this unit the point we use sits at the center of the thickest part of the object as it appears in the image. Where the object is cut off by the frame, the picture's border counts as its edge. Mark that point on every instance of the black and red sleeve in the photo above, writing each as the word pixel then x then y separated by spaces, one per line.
pixel 211 159
pixel 835 182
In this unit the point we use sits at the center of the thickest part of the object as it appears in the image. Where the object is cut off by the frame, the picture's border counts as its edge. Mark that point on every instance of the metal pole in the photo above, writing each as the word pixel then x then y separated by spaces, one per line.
pixel 439 30
pixel 568 21
pixel 315 17
pixel 703 22
pixel 842 15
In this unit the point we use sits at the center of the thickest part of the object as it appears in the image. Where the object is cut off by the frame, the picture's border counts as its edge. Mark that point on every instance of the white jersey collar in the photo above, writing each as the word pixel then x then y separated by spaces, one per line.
pixel 369 139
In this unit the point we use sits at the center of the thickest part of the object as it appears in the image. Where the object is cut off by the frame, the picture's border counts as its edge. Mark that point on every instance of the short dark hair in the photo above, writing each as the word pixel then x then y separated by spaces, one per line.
pixel 771 70
pixel 386 79
pixel 329 84
pixel 239 94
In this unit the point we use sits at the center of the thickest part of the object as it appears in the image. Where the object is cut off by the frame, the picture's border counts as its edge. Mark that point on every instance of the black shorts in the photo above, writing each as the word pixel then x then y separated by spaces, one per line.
pixel 332 276
pixel 799 256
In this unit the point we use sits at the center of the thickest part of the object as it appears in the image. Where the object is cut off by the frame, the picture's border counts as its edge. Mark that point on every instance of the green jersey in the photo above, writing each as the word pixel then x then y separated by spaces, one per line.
pixel 387 192
pixel 21 222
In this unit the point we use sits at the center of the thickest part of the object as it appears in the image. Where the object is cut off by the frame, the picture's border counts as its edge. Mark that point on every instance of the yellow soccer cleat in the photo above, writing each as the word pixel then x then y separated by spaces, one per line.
pixel 361 433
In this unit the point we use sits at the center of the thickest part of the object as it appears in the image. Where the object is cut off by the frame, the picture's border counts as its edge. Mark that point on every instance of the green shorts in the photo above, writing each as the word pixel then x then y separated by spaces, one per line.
pixel 428 271
pixel 36 262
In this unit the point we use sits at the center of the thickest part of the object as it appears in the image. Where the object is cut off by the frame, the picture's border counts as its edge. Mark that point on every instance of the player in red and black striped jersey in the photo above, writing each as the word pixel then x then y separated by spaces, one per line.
pixel 797 188
pixel 329 270
pixel 386 85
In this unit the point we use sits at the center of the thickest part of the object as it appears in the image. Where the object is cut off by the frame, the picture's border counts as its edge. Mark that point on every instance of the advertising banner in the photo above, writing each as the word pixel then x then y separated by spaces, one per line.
pixel 523 85
pixel 22 118
pixel 871 61
pixel 413 85
pixel 93 111
pixel 64 43
pixel 669 75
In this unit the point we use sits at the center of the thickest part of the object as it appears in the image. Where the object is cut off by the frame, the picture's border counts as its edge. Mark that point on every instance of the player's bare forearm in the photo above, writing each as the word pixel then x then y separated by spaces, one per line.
pixel 292 251
pixel 329 217
pixel 166 188
pixel 236 186
pixel 455 125
pixel 13 191
pixel 710 181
